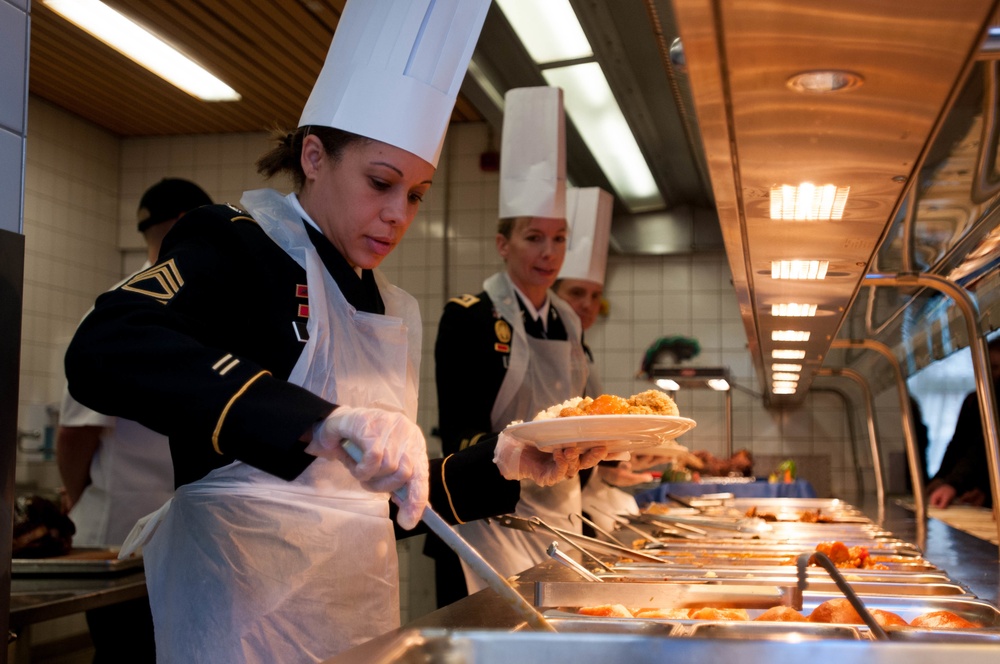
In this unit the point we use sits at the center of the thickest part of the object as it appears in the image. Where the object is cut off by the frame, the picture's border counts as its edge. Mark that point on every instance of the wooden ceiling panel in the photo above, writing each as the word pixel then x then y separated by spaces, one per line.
pixel 269 51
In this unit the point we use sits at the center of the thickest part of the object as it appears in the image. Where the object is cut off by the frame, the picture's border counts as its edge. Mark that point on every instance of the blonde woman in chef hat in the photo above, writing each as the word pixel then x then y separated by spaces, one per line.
pixel 581 284
pixel 264 338
pixel 515 349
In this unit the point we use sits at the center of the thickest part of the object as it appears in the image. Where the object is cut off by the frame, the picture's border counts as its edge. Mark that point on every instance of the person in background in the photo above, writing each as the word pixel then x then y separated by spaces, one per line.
pixel 264 339
pixel 514 349
pixel 115 471
pixel 964 474
pixel 581 284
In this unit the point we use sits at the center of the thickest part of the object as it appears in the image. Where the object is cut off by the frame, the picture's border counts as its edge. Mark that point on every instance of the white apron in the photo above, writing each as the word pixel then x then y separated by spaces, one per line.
pixel 246 567
pixel 606 499
pixel 540 373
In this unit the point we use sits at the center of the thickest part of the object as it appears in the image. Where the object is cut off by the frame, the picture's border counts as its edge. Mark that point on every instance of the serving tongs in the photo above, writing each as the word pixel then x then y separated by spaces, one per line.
pixel 801 565
pixel 748 525
pixel 625 521
pixel 472 558
pixel 582 543
pixel 566 561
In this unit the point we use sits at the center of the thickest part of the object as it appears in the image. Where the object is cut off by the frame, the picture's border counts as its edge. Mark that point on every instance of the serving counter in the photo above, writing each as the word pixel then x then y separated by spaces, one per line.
pixel 483 629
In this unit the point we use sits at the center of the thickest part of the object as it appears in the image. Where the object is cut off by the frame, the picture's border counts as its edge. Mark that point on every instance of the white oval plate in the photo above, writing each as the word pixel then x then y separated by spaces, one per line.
pixel 616 432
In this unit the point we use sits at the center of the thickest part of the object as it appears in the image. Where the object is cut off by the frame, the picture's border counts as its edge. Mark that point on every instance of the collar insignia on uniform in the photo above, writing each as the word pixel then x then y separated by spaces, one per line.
pixel 503 330
pixel 501 348
pixel 303 311
pixel 302 291
pixel 161 282
pixel 465 300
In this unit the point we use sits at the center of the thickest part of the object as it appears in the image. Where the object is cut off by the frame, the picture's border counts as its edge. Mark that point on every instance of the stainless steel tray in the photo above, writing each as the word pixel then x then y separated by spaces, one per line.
pixel 82 562
pixel 496 647
pixel 766 571
pixel 816 584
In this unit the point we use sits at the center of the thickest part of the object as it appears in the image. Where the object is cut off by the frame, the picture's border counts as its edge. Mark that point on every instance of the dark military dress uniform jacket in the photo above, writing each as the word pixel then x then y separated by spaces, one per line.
pixel 471 356
pixel 199 347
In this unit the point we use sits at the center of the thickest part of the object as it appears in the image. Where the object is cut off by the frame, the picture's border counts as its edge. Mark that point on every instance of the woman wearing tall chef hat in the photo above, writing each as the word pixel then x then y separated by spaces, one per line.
pixel 515 349
pixel 581 284
pixel 264 338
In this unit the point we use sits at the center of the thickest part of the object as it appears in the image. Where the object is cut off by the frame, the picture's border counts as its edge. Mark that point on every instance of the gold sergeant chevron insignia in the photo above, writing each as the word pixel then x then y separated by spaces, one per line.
pixel 160 282
pixel 465 300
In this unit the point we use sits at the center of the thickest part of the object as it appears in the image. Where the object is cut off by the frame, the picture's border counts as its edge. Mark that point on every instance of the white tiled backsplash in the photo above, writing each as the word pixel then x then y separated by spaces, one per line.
pixel 82 190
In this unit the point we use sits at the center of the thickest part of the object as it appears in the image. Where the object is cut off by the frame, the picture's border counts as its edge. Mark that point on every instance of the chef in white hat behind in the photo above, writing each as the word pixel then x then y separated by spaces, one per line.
pixel 581 284
pixel 515 349
pixel 264 338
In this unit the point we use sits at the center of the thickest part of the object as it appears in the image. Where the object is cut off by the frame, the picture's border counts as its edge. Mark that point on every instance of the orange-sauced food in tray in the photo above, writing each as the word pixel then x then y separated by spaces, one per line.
pixel 650 402
pixel 837 611
pixel 848 557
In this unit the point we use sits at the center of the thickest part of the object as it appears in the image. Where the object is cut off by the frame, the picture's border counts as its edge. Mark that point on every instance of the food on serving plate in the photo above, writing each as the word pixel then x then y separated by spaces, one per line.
pixel 650 402
pixel 739 464
pixel 782 614
pixel 836 611
pixel 606 611
pixel 941 620
pixel 856 557
pixel 41 530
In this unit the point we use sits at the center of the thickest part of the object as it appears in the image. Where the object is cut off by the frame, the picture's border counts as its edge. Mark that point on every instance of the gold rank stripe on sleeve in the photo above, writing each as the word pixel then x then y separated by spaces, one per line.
pixel 469 442
pixel 465 300
pixel 160 282
pixel 225 364
pixel 225 411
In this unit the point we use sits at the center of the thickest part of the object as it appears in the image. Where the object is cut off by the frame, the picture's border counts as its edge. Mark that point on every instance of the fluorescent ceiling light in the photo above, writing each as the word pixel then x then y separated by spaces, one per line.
pixel 799 269
pixel 788 354
pixel 807 202
pixel 719 384
pixel 782 375
pixel 786 384
pixel 667 384
pixel 593 109
pixel 548 29
pixel 789 335
pixel 783 390
pixel 786 367
pixel 793 309
pixel 143 47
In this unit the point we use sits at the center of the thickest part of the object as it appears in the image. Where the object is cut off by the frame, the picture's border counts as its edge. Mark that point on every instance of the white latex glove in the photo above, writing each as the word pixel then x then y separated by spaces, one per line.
pixel 517 460
pixel 622 475
pixel 394 454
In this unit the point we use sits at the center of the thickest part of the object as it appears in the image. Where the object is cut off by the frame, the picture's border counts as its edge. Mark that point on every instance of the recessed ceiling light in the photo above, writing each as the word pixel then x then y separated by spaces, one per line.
pixel 789 335
pixel 786 367
pixel 718 384
pixel 793 309
pixel 143 47
pixel 825 80
pixel 787 384
pixel 782 375
pixel 807 202
pixel 788 354
pixel 799 269
pixel 782 390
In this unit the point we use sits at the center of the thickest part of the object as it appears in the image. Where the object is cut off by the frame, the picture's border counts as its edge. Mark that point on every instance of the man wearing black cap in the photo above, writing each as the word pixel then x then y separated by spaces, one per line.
pixel 115 471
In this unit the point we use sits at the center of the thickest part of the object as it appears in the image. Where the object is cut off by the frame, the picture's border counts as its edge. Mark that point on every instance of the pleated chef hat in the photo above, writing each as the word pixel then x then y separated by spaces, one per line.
pixel 533 154
pixel 588 211
pixel 394 69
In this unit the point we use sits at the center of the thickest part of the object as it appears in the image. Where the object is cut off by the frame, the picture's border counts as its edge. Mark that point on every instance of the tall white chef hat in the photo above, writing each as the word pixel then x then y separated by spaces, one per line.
pixel 394 69
pixel 588 211
pixel 533 154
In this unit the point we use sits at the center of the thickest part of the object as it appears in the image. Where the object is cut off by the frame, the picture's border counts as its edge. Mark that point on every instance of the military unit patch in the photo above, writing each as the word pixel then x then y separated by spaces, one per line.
pixel 465 300
pixel 161 282
pixel 503 331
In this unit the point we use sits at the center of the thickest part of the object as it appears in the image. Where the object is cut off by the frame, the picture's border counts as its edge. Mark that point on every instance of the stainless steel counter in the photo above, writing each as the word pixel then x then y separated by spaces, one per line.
pixel 969 560
pixel 36 599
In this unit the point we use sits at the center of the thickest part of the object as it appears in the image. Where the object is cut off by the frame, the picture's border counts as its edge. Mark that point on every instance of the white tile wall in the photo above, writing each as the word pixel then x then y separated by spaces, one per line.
pixel 83 187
